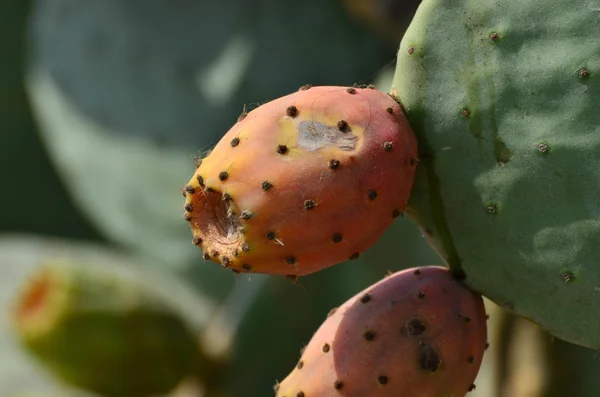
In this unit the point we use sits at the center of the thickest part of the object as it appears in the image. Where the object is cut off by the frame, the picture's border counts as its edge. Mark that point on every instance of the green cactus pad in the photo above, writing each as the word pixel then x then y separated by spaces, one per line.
pixel 504 98
pixel 103 332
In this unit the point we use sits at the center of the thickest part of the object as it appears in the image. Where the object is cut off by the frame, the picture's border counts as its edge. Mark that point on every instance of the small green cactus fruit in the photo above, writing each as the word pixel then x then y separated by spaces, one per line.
pixel 503 97
pixel 303 182
pixel 103 333
pixel 416 333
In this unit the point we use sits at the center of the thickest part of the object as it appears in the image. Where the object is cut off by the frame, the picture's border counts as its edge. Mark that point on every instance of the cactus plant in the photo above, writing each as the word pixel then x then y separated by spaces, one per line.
pixel 104 333
pixel 303 182
pixel 416 333
pixel 503 98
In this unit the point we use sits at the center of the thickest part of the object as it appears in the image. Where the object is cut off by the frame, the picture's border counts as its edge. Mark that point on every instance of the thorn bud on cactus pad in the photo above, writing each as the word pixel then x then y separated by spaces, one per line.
pixel 321 162
pixel 416 333
pixel 103 332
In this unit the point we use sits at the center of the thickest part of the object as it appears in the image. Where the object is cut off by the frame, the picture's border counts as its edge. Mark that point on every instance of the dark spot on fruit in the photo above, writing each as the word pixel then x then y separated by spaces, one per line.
pixel 492 209
pixel 467 319
pixel 309 204
pixel 332 312
pixel 334 164
pixel 337 385
pixel 421 295
pixel 196 240
pixel 356 85
pixel 326 348
pixel 471 359
pixel 354 256
pixel 366 298
pixel 206 256
pixel 369 335
pixel 382 379
pixel 291 260
pixel 245 247
pixel 200 180
pixel 371 86
pixel 372 195
pixel 487 316
pixel 542 147
pixel 209 189
pixel 235 271
pixel 271 235
pixel 276 387
pixel 464 112
pixel 246 214
pixel 223 175
pixel 300 394
pixel 583 73
pixel 388 146
pixel 190 189
pixel 247 267
pixel 429 359
pixel 300 364
pixel 214 253
pixel 415 327
pixel 342 125
pixel 234 142
pixel 336 237
pixel 487 346
pixel 472 387
pixel 188 207
pixel 413 161
pixel 567 276
pixel 351 90
pixel 225 197
pixel 282 149
pixel 494 36
pixel 411 50
pixel 417 272
pixel 305 87
pixel 225 261
pixel 291 111
pixel 396 213
pixel 187 217
pixel 390 110
pixel 242 116
pixel 266 185
pixel 292 278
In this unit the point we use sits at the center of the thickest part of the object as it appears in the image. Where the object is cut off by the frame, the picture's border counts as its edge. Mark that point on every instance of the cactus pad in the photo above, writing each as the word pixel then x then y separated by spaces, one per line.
pixel 503 97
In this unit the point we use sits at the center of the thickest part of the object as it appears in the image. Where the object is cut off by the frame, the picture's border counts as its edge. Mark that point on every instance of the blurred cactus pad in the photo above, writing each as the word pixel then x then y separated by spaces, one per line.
pixel 503 96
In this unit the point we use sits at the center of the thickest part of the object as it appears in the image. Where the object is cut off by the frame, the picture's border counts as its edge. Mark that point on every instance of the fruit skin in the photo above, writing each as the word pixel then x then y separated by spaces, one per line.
pixel 503 97
pixel 416 333
pixel 103 333
pixel 303 182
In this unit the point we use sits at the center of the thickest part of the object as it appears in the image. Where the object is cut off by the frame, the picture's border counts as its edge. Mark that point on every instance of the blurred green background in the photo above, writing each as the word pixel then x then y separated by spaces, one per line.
pixel 103 106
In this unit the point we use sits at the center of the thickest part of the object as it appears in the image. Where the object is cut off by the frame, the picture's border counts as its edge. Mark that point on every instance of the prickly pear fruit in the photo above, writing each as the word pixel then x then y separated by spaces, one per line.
pixel 103 333
pixel 416 333
pixel 503 96
pixel 303 182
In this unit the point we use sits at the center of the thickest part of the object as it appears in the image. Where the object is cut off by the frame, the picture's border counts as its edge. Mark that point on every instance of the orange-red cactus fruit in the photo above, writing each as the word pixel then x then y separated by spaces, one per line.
pixel 416 333
pixel 303 182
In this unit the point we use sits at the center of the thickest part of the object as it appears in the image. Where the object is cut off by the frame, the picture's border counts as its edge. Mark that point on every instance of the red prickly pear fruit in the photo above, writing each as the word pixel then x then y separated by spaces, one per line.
pixel 303 182
pixel 416 333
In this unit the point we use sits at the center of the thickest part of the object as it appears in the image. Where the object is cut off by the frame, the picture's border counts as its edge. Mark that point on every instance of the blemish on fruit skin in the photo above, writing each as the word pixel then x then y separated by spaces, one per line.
pixel 465 113
pixel 223 175
pixel 197 240
pixel 471 359
pixel 245 247
pixel 492 209
pixel 382 379
pixel 390 110
pixel 334 164
pixel 282 149
pixel 200 180
pixel 190 189
pixel 300 364
pixel 332 312
pixel 396 213
pixel 415 327
pixel 372 195
pixel 369 335
pixel 305 87
pixel 337 385
pixel 429 359
pixel 291 260
pixel 336 237
pixel 342 125
pixel 242 116
pixel 309 204
pixel 225 261
pixel 472 387
pixel 187 217
pixel 300 394
pixel 188 207
pixel 542 147
pixel 226 197
pixel 246 214
pixel 271 235
pixel 326 348
pixel 421 295
pixel 354 256
pixel 411 50
pixel 351 90
pixel 366 298
pixel 494 36
pixel 234 142
pixel 388 146
pixel 291 111
pixel 247 267
pixel 206 256
pixel 266 185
